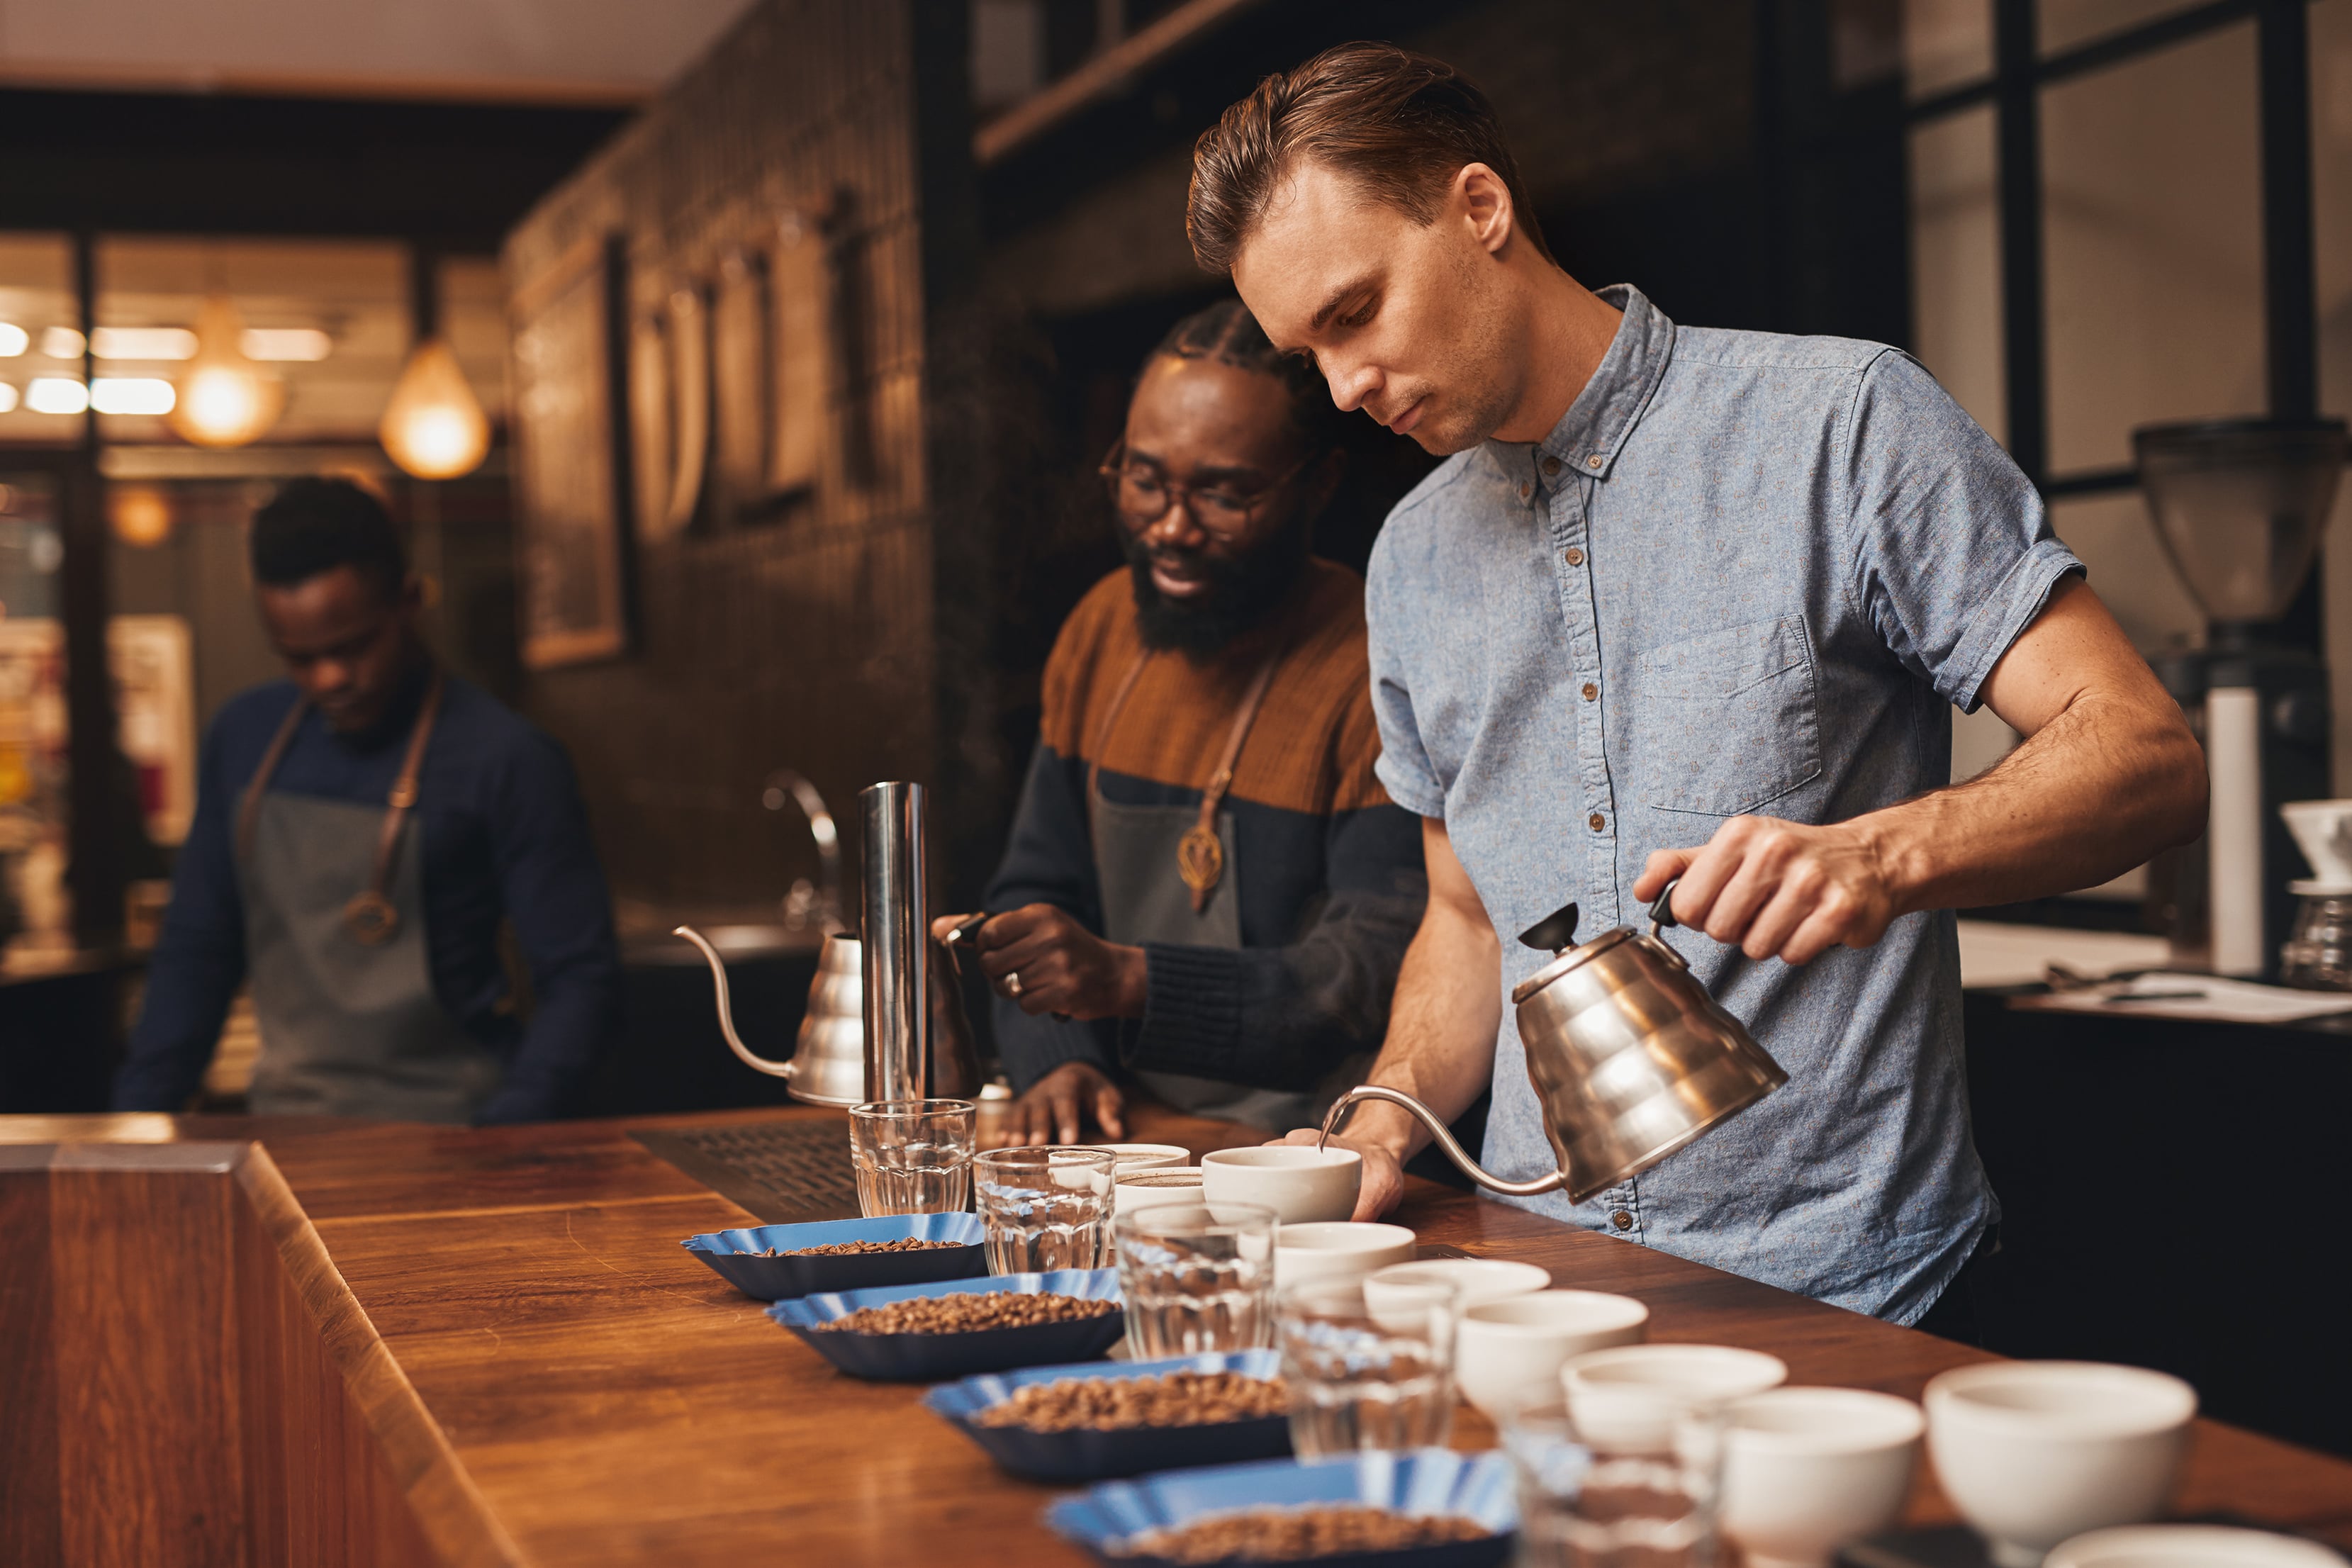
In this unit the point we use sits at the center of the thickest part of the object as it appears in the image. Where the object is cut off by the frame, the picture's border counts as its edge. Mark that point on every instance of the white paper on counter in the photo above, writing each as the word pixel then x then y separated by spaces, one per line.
pixel 1995 952
pixel 2216 1001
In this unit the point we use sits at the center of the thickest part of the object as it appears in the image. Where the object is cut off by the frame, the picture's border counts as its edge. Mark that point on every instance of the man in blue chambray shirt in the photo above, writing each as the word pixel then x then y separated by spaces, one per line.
pixel 1688 603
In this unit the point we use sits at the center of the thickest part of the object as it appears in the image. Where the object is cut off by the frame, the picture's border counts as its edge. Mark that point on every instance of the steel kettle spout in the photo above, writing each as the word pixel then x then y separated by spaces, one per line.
pixel 727 1012
pixel 1550 1181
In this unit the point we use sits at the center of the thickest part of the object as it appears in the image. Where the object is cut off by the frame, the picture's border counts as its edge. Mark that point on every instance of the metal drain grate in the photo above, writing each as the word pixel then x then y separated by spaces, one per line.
pixel 784 1172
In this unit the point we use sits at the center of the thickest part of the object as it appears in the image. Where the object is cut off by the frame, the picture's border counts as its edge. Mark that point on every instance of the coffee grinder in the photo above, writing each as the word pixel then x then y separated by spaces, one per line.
pixel 2239 506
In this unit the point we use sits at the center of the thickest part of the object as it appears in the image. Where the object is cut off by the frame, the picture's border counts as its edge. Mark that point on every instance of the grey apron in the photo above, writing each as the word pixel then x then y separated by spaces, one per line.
pixel 349 1023
pixel 1144 898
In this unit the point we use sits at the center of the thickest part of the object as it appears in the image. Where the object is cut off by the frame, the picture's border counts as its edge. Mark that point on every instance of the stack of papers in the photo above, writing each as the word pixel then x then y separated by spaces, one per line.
pixel 2195 996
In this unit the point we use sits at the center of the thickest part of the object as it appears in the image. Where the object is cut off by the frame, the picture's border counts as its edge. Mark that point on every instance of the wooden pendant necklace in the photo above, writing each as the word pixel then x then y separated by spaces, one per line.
pixel 1199 854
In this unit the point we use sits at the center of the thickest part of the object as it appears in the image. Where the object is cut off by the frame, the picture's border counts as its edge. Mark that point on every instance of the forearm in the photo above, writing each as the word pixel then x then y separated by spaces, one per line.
pixel 190 986
pixel 2095 792
pixel 1278 1018
pixel 1029 1047
pixel 1442 1030
pixel 569 1029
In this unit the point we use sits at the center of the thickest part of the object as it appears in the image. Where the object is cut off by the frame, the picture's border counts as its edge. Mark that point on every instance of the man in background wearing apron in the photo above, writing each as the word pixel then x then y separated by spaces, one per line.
pixel 361 832
pixel 1205 884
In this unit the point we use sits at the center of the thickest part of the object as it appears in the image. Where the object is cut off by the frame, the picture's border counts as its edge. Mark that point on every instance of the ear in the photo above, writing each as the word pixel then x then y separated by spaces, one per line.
pixel 1486 203
pixel 413 597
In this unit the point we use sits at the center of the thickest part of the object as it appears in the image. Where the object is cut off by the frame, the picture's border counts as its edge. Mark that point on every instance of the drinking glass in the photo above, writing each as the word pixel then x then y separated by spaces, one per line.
pixel 1196 1281
pixel 1043 1208
pixel 1583 1505
pixel 912 1156
pixel 1364 1380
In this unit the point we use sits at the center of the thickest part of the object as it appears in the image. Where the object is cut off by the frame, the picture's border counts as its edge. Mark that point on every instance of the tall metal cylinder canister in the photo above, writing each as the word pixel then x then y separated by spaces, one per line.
pixel 896 947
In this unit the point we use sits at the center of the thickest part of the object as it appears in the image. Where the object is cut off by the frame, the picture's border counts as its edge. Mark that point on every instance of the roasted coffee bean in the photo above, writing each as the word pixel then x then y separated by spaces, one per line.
pixel 1299 1535
pixel 1174 1399
pixel 844 1248
pixel 962 1314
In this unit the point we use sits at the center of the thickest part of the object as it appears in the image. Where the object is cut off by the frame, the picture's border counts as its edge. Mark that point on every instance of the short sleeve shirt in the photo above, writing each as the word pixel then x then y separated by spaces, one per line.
pixel 1744 573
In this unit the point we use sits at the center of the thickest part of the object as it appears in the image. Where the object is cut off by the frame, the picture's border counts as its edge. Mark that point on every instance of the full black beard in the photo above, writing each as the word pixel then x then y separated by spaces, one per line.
pixel 1241 593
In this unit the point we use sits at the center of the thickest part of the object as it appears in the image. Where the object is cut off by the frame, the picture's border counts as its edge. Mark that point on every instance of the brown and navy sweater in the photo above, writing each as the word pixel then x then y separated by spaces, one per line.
pixel 1327 871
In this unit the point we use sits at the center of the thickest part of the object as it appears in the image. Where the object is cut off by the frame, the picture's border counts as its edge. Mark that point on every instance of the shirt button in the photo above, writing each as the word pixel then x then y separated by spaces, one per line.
pixel 1551 465
pixel 1591 691
pixel 1575 556
pixel 1621 1220
pixel 1526 490
pixel 1600 822
pixel 1593 461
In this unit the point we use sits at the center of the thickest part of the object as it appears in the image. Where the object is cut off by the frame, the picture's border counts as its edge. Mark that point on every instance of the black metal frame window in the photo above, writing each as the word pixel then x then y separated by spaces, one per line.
pixel 2290 295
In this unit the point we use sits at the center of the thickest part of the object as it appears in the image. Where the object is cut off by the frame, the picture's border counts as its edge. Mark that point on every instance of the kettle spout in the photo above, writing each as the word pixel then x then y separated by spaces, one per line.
pixel 727 1012
pixel 1550 1181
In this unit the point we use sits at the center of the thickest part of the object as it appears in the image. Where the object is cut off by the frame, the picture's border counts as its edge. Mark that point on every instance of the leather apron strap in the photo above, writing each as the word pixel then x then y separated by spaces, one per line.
pixel 1200 856
pixel 370 916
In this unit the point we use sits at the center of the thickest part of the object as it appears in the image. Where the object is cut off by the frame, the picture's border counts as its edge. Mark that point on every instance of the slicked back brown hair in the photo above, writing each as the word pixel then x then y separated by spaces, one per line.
pixel 1401 125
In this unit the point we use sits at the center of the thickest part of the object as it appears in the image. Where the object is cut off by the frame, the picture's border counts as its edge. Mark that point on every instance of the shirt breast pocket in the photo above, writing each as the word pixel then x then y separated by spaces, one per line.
pixel 1726 721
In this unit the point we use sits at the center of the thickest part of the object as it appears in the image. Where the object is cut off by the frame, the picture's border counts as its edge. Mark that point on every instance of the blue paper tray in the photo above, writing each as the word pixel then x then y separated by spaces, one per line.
pixel 774 1279
pixel 931 1357
pixel 1094 1454
pixel 1425 1481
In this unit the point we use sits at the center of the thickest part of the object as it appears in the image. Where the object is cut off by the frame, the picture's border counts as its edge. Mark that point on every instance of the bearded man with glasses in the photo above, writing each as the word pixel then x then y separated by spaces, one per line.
pixel 1206 891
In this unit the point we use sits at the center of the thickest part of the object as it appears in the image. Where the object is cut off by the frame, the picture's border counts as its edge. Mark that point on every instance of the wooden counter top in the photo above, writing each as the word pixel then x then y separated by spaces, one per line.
pixel 507 1345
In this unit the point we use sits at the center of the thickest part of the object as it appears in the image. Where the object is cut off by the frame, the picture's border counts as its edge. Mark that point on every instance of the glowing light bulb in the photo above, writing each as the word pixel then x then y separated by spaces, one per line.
pixel 14 340
pixel 433 426
pixel 9 396
pixel 56 395
pixel 132 394
pixel 224 400
pixel 141 515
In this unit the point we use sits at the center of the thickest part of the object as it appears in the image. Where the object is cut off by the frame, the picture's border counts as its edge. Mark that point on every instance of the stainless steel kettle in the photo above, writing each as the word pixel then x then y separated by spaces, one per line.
pixel 866 1035
pixel 1631 1059
pixel 829 1064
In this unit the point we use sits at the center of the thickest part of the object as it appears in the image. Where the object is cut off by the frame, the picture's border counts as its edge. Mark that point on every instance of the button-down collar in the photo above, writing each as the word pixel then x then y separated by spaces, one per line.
pixel 1589 435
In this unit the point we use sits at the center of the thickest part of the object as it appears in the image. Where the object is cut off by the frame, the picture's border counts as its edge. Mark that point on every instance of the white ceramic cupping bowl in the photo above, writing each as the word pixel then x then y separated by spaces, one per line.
pixel 1627 1401
pixel 1145 1156
pixel 1326 1250
pixel 1507 1353
pixel 1474 1280
pixel 1807 1469
pixel 2033 1452
pixel 2188 1546
pixel 1299 1184
pixel 1155 1185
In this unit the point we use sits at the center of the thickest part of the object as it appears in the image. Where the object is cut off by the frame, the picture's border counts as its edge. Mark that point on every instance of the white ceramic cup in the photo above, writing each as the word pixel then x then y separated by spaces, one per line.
pixel 1627 1401
pixel 1299 1184
pixel 1509 1352
pixel 1137 1189
pixel 1321 1251
pixel 1807 1469
pixel 2033 1452
pixel 1474 1280
pixel 2188 1546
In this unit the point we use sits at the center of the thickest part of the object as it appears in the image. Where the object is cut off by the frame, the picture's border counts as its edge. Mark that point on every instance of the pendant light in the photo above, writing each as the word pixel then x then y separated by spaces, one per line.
pixel 225 399
pixel 433 427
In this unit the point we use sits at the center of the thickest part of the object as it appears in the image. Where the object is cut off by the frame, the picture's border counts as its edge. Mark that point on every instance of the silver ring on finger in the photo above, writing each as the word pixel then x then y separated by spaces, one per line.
pixel 1013 983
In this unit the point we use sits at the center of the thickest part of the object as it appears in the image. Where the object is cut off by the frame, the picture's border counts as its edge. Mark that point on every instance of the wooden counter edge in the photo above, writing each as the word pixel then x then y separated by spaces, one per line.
pixel 448 1508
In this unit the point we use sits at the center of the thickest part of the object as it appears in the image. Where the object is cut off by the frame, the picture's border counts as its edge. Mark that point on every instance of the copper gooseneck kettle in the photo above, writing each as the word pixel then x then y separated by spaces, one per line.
pixel 1631 1059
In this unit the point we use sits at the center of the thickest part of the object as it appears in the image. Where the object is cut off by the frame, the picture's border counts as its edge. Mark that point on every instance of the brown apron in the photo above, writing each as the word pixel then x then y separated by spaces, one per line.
pixel 1168 874
pixel 334 942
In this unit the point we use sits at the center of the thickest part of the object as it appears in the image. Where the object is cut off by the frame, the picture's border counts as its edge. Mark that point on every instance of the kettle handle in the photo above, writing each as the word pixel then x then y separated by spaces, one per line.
pixel 1550 1181
pixel 1662 912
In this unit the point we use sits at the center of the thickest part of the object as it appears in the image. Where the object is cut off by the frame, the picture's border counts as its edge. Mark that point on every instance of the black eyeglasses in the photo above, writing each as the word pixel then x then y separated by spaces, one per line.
pixel 1143 494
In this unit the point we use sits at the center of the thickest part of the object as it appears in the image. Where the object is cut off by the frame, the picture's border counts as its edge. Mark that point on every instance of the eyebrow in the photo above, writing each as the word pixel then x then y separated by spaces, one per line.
pixel 1207 473
pixel 1337 298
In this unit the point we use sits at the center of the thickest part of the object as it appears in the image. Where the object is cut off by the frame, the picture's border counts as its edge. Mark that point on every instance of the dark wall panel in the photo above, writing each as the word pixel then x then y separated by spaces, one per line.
pixel 797 631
